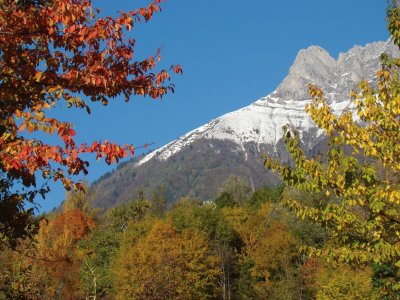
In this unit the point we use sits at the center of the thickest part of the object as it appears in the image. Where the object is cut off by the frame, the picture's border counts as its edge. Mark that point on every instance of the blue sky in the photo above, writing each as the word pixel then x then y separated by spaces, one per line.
pixel 232 53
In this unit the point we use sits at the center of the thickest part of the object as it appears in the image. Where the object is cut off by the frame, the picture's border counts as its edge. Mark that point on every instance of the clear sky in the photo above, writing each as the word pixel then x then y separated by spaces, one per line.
pixel 232 52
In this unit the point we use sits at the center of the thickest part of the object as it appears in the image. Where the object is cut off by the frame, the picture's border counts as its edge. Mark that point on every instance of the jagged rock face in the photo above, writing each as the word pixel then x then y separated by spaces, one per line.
pixel 312 65
pixel 336 77
pixel 233 143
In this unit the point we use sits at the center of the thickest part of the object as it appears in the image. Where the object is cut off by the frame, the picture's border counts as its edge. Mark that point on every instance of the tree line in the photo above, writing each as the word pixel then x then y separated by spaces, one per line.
pixel 242 245
pixel 331 232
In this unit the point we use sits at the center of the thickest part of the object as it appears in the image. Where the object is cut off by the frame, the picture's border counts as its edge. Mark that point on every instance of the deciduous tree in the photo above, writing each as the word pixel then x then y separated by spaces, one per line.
pixel 343 282
pixel 165 265
pixel 54 52
pixel 57 255
pixel 361 211
pixel 269 256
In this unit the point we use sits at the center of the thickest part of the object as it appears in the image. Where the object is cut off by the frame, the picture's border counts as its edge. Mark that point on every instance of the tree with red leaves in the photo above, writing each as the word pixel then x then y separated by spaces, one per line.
pixel 52 52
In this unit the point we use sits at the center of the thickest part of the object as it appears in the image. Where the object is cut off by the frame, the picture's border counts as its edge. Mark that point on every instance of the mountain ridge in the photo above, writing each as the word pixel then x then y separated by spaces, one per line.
pixel 276 98
pixel 242 135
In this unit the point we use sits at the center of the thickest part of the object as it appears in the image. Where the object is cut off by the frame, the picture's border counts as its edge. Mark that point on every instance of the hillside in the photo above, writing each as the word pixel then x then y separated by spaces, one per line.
pixel 196 163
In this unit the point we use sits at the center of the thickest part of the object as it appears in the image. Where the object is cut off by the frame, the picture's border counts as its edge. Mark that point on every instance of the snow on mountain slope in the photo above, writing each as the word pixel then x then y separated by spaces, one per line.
pixel 262 121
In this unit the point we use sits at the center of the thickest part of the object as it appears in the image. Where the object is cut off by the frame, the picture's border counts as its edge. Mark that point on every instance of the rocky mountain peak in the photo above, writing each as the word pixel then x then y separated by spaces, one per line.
pixel 335 76
pixel 313 64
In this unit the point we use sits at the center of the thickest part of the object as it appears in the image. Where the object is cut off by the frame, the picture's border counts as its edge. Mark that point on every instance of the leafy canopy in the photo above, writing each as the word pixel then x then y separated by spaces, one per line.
pixel 362 205
pixel 54 52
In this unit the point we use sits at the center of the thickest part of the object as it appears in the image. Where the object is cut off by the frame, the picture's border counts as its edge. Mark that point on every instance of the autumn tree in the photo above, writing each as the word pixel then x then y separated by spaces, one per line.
pixel 343 282
pixel 361 209
pixel 56 255
pixel 54 52
pixel 167 265
pixel 189 214
pixel 269 258
pixel 46 267
pixel 119 228
pixel 20 276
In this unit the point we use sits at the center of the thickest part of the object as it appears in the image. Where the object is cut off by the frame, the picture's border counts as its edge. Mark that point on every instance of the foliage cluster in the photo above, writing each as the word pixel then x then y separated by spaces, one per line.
pixel 242 245
pixel 195 250
pixel 52 53
pixel 361 209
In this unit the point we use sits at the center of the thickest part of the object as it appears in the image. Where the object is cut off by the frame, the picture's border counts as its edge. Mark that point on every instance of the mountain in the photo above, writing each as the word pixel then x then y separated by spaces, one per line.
pixel 196 163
